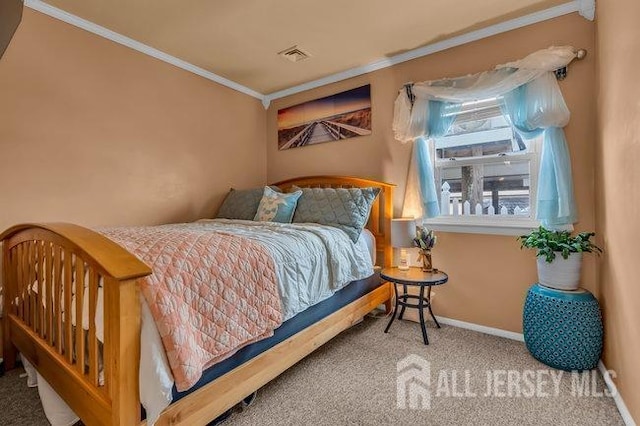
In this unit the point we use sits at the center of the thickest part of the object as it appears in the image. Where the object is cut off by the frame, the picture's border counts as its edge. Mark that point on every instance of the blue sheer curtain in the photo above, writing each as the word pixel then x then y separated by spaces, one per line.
pixel 441 116
pixel 535 108
pixel 556 204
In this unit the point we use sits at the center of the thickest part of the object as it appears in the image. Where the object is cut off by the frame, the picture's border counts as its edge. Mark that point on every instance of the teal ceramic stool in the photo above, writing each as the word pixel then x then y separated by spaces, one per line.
pixel 563 329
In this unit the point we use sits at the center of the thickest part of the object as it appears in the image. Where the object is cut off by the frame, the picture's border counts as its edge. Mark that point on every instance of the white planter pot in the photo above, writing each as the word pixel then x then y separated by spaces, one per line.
pixel 561 274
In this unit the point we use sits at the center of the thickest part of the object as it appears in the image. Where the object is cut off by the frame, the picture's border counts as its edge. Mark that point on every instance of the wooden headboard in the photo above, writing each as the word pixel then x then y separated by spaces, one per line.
pixel 381 212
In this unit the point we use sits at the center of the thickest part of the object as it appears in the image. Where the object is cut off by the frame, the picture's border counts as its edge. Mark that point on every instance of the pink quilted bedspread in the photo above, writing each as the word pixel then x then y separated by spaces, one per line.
pixel 210 293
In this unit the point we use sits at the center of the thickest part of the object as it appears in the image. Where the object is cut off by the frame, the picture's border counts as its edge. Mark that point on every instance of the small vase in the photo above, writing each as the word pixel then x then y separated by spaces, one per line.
pixel 427 265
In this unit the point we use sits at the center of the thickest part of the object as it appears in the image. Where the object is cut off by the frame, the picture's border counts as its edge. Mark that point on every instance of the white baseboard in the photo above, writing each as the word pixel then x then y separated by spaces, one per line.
pixel 482 328
pixel 617 398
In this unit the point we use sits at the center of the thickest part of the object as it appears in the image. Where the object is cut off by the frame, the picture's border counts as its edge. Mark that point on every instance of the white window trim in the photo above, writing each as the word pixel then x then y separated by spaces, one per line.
pixel 482 225
pixel 491 225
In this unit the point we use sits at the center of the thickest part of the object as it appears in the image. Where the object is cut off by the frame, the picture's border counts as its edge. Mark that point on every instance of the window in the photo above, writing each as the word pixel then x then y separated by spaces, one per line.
pixel 486 172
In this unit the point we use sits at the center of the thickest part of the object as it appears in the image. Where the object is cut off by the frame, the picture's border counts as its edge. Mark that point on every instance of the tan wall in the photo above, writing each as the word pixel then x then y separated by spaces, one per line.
pixel 618 187
pixel 489 275
pixel 95 133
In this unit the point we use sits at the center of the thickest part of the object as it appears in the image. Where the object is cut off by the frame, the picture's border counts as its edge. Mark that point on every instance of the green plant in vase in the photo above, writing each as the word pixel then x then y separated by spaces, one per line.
pixel 425 240
pixel 559 255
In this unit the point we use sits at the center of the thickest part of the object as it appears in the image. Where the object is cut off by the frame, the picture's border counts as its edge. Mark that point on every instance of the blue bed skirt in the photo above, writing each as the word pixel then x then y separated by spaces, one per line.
pixel 304 319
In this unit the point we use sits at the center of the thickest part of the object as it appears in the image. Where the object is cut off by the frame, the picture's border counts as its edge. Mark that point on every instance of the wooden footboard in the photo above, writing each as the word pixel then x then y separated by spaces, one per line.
pixel 53 275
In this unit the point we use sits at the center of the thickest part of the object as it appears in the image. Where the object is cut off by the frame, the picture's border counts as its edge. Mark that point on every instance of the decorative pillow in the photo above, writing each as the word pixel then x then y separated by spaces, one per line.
pixel 344 208
pixel 242 204
pixel 276 206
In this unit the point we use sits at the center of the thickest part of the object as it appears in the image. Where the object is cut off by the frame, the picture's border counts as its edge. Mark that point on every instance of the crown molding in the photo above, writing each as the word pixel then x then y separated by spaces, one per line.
pixel 585 8
pixel 74 20
pixel 523 21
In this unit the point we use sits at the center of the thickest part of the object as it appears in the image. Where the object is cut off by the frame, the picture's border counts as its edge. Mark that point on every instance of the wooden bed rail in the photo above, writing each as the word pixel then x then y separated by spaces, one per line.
pixel 54 276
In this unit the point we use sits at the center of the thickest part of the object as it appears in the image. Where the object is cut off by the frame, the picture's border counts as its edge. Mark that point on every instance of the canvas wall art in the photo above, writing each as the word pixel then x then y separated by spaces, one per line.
pixel 333 118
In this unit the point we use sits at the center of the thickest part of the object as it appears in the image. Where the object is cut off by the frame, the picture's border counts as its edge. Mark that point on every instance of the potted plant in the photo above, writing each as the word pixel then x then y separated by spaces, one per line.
pixel 559 255
pixel 425 240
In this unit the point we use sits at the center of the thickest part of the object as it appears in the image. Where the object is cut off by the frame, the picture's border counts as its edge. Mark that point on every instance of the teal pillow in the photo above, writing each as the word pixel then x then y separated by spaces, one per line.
pixel 241 204
pixel 344 208
pixel 276 206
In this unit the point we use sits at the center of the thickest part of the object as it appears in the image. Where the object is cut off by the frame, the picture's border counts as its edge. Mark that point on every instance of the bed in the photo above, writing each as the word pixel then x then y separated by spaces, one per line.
pixel 99 378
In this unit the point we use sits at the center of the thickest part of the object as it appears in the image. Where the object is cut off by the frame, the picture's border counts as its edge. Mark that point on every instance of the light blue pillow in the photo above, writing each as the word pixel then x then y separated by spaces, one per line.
pixel 344 208
pixel 276 206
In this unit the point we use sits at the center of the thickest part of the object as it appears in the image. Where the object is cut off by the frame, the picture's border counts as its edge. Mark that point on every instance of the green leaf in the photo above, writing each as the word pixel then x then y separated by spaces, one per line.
pixel 547 243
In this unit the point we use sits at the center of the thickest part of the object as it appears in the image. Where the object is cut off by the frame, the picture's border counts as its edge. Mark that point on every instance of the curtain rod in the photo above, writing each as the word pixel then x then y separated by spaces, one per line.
pixel 561 73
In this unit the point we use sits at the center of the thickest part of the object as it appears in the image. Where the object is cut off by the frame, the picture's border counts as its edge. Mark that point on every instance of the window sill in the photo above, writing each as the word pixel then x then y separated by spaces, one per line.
pixel 482 225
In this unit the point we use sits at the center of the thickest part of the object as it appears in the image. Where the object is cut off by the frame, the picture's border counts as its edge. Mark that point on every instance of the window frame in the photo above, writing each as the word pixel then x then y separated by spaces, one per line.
pixel 485 224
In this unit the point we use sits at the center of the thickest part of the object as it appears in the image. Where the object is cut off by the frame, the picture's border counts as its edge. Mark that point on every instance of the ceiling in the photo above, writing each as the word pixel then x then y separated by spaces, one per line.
pixel 240 39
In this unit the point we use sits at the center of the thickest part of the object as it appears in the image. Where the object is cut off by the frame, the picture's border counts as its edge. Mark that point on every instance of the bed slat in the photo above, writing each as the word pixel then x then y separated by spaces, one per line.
pixel 31 283
pixel 374 220
pixel 23 277
pixel 28 276
pixel 49 289
pixel 79 297
pixel 68 329
pixel 57 272
pixel 92 340
pixel 40 297
pixel 16 261
pixel 11 282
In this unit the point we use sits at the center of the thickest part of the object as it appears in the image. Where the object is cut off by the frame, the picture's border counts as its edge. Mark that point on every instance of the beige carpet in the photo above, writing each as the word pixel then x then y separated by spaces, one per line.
pixel 352 381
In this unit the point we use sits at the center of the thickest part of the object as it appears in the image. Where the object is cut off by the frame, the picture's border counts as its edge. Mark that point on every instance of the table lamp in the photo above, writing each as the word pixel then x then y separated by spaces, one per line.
pixel 403 231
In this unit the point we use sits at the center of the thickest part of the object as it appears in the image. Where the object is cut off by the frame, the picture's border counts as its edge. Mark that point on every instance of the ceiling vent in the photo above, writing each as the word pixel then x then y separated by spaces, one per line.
pixel 294 54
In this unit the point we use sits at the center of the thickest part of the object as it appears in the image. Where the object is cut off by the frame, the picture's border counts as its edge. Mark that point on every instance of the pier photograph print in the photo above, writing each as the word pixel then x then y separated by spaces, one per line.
pixel 332 118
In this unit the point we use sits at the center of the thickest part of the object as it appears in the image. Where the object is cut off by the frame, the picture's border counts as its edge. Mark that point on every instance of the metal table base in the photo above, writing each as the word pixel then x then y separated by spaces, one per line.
pixel 423 302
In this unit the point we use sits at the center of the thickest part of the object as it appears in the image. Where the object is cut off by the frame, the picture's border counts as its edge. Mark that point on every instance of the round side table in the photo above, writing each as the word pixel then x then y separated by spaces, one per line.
pixel 417 278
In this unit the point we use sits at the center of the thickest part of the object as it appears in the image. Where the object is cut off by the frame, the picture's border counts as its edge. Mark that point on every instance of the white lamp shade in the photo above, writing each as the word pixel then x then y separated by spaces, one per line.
pixel 403 231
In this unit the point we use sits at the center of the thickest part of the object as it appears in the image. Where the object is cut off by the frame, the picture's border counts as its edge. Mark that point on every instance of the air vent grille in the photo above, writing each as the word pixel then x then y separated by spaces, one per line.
pixel 294 54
